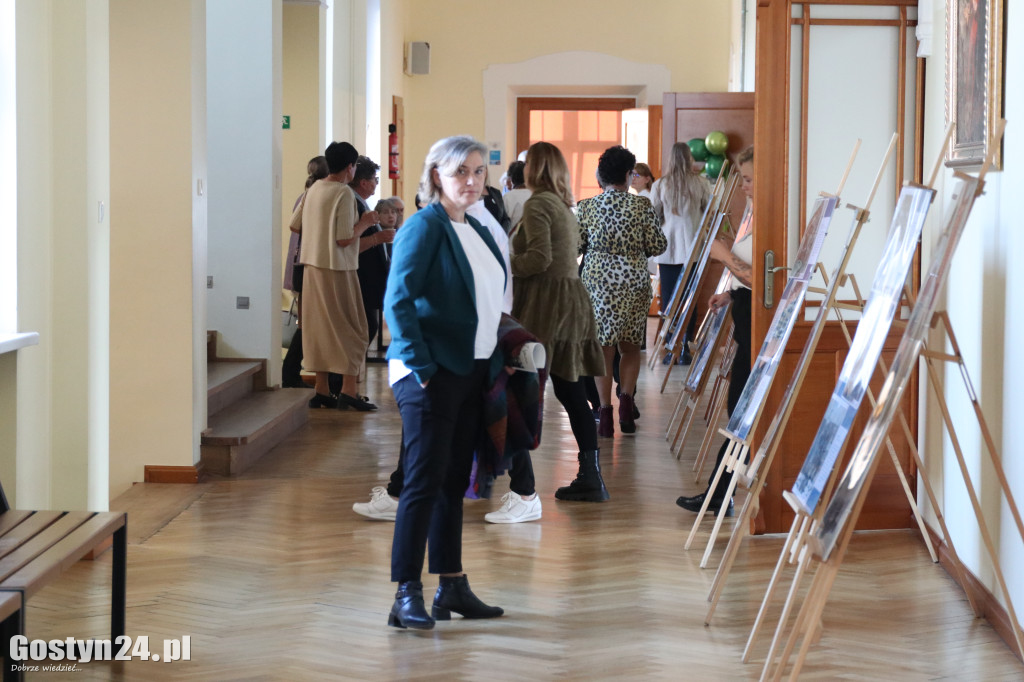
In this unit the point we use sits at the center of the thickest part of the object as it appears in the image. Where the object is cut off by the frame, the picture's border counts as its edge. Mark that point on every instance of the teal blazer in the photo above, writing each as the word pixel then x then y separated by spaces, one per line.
pixel 430 302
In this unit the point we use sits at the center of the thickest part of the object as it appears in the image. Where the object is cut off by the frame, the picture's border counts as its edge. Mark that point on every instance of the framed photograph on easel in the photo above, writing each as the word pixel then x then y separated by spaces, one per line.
pixel 974 78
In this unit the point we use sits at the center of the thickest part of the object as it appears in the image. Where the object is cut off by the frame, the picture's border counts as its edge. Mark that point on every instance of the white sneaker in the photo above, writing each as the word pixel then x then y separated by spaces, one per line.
pixel 515 509
pixel 381 506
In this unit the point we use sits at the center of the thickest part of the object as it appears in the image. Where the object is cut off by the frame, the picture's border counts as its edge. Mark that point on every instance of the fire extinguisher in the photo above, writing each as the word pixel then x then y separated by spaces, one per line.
pixel 392 151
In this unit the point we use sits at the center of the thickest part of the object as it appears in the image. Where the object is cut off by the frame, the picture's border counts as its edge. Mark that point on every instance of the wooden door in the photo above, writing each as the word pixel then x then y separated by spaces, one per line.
pixel 398 118
pixel 689 115
pixel 581 127
pixel 777 23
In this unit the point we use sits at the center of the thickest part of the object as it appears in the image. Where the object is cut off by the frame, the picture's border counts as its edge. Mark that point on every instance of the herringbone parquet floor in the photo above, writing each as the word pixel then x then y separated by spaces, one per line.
pixel 275 578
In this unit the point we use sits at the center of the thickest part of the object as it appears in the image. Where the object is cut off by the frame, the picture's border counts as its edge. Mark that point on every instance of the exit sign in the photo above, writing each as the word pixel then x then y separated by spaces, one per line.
pixel 286 122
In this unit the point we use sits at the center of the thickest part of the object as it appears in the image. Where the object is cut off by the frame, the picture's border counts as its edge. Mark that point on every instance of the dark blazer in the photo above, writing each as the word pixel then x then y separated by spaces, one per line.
pixel 373 266
pixel 430 304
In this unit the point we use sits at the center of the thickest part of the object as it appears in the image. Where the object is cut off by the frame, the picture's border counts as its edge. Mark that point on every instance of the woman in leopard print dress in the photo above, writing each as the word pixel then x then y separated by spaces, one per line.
pixel 619 231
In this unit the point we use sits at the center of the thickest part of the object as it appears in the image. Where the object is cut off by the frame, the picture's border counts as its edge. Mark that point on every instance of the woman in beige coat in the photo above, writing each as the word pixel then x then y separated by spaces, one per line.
pixel 550 301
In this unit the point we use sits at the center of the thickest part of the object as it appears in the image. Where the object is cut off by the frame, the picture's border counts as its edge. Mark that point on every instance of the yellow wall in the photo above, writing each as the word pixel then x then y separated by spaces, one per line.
pixel 392 83
pixel 300 100
pixel 690 37
pixel 151 238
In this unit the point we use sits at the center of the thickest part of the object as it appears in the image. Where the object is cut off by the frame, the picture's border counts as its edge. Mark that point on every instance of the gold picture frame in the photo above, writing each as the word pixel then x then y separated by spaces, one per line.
pixel 974 78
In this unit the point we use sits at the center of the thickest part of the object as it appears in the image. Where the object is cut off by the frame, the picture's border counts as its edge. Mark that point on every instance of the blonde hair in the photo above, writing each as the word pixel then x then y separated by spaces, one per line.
pixel 546 171
pixel 446 155
pixel 681 185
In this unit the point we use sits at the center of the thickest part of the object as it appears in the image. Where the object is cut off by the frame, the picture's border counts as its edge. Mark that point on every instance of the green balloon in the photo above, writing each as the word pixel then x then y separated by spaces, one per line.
pixel 716 142
pixel 697 149
pixel 713 165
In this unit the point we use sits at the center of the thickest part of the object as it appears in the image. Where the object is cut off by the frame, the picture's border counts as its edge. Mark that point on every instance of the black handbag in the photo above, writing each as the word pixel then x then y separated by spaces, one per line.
pixel 297 269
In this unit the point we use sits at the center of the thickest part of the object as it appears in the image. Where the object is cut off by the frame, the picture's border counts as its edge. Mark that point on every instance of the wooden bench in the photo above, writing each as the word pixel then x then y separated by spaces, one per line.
pixel 37 546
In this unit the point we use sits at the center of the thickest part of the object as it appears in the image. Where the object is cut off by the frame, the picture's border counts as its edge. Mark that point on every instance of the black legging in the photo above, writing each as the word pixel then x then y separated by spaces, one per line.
pixel 738 376
pixel 573 397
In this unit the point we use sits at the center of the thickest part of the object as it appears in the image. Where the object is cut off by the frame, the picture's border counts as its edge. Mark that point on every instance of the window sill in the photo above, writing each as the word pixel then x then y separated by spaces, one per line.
pixel 12 342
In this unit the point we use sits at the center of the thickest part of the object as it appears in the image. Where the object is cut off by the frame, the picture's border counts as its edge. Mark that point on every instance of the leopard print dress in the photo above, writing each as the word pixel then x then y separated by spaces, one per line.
pixel 618 233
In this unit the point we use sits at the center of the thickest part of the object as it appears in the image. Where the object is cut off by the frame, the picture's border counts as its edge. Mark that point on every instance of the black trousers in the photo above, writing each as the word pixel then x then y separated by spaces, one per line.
pixel 738 378
pixel 520 472
pixel 669 275
pixel 441 426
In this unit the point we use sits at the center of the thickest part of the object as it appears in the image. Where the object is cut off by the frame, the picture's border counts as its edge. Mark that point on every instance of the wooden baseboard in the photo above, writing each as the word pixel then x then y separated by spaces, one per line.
pixel 157 473
pixel 991 609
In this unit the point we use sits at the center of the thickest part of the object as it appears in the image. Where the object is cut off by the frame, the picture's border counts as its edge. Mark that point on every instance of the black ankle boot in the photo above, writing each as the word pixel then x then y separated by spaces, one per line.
pixel 409 610
pixel 588 485
pixel 453 594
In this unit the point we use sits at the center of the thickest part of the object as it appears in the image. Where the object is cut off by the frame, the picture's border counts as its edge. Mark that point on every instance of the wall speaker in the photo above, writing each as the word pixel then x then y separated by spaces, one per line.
pixel 417 58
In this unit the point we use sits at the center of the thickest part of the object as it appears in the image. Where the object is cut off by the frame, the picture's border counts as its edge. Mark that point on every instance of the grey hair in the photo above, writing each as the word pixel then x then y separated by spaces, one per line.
pixel 446 156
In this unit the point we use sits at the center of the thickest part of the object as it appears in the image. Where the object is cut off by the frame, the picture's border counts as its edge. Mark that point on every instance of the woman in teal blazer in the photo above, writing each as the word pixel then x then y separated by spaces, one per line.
pixel 443 304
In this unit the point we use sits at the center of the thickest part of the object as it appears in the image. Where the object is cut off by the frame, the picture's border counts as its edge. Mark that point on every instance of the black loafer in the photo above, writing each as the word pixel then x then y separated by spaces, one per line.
pixel 697 501
pixel 321 400
pixel 361 404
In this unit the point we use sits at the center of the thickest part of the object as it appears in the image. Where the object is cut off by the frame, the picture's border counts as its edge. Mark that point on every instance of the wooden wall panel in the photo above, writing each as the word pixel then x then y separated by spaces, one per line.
pixel 887 505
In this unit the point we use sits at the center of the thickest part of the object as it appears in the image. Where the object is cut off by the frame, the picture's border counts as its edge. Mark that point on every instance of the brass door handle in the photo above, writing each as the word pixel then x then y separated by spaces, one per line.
pixel 769 279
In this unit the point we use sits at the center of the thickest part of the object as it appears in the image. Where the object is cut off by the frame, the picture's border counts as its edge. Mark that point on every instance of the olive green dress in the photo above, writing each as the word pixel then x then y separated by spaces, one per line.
pixel 548 297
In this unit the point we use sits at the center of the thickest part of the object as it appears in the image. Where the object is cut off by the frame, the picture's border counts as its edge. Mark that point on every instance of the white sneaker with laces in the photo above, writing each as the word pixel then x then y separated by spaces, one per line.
pixel 515 509
pixel 381 507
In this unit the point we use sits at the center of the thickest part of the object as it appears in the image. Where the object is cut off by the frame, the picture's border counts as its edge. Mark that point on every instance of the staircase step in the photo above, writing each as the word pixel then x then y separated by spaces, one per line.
pixel 246 430
pixel 228 381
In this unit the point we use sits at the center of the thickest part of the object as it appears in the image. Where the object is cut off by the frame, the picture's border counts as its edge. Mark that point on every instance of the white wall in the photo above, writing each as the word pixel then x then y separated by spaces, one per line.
pixel 8 172
pixel 243 44
pixel 845 104
pixel 985 298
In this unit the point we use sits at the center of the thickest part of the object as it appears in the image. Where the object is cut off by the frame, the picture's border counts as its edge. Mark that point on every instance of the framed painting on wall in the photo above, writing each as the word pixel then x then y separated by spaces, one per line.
pixel 974 78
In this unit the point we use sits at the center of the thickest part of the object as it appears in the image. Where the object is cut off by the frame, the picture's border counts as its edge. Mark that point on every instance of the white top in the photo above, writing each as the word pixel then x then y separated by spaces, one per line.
pixel 514 200
pixel 681 230
pixel 488 285
pixel 645 193
pixel 485 218
pixel 744 250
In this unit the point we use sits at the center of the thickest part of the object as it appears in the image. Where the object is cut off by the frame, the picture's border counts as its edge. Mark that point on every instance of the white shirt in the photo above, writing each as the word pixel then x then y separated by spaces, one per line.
pixel 681 230
pixel 484 217
pixel 744 250
pixel 514 200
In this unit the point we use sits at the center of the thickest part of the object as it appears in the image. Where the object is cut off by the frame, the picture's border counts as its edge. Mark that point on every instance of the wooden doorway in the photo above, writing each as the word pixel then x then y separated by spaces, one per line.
pixel 581 127
pixel 398 118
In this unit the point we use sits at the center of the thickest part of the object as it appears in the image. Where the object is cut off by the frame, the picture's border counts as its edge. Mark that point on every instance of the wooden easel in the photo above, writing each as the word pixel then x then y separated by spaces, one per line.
pixel 803 523
pixel 667 320
pixel 911 349
pixel 715 344
pixel 714 340
pixel 736 455
pixel 698 261
pixel 795 549
pixel 808 620
pixel 752 476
